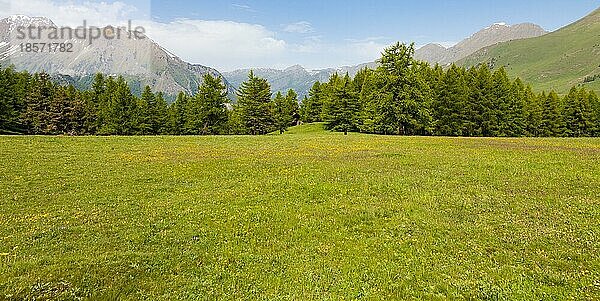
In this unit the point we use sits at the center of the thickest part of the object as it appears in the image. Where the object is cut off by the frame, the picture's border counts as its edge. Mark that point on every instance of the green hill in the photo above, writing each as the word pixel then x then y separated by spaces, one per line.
pixel 556 61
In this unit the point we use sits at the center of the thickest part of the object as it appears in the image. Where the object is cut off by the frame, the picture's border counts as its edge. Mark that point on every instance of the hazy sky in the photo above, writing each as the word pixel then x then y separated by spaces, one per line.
pixel 315 34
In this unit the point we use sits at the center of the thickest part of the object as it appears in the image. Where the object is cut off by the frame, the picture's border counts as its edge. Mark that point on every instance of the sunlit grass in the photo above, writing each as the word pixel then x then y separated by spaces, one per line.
pixel 305 215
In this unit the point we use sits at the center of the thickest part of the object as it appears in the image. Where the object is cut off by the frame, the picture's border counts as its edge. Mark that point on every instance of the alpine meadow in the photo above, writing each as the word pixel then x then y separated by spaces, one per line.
pixel 129 170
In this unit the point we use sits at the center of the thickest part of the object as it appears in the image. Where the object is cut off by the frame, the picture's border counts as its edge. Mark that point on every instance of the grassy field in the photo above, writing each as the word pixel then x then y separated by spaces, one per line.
pixel 307 215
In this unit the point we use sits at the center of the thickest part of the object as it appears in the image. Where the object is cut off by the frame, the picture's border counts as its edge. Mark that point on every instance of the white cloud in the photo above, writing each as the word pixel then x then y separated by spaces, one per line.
pixel 225 45
pixel 69 13
pixel 243 7
pixel 299 27
pixel 222 44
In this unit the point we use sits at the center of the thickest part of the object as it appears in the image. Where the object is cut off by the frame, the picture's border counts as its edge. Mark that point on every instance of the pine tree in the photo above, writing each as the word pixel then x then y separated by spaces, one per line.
pixel 160 120
pixel 235 123
pixel 77 116
pixel 368 114
pixel 312 107
pixel 533 112
pixel 67 112
pixel 178 111
pixel 255 106
pixel 552 120
pixel 578 114
pixel 341 107
pixel 120 111
pixel 285 110
pixel 6 108
pixel 38 116
pixel 291 98
pixel 59 112
pixel 281 113
pixel 207 114
pixel 98 109
pixel 146 112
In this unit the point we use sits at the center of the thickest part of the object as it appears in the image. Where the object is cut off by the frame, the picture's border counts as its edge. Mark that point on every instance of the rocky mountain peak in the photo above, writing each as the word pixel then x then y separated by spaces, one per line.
pixel 141 61
pixel 295 68
pixel 490 35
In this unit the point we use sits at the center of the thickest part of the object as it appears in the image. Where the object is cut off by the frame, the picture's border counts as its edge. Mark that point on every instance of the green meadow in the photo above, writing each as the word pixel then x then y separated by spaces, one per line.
pixel 308 215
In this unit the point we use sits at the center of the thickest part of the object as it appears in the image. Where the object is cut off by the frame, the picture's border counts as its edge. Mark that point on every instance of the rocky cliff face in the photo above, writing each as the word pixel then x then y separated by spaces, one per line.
pixel 139 59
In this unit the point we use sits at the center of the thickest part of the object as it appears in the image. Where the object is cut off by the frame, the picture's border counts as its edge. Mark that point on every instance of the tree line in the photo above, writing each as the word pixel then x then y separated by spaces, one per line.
pixel 402 96
pixel 34 104
pixel 408 97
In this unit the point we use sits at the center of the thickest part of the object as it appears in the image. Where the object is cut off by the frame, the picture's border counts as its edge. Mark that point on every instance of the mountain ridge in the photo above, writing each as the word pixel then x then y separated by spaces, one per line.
pixel 142 61
pixel 558 60
pixel 493 34
pixel 301 80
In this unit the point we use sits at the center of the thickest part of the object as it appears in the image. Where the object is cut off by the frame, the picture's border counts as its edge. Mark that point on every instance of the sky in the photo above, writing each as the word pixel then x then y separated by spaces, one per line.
pixel 238 34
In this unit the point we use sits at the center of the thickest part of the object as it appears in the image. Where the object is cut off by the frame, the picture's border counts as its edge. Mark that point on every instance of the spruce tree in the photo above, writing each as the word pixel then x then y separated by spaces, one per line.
pixel 255 106
pixel 207 114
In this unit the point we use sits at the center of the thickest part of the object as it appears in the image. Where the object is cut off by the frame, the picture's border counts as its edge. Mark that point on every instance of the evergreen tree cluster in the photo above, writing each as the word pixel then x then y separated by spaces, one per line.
pixel 402 96
pixel 257 112
pixel 407 97
pixel 33 104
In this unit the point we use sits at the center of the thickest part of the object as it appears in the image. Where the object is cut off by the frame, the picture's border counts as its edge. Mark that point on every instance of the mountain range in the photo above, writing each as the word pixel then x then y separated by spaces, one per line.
pixel 494 34
pixel 301 80
pixel 295 77
pixel 139 59
pixel 556 61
